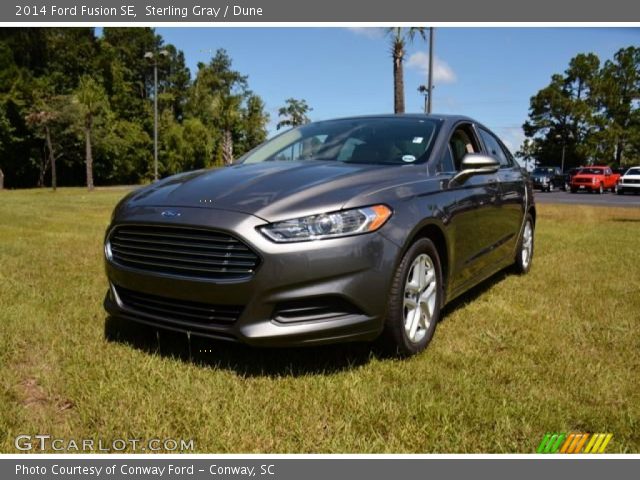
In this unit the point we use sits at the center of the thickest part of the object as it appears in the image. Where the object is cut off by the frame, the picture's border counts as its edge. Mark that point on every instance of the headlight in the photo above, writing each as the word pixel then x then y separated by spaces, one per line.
pixel 328 225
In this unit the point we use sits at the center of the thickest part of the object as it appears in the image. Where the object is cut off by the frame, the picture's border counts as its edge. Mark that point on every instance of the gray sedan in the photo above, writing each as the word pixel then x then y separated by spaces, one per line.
pixel 341 230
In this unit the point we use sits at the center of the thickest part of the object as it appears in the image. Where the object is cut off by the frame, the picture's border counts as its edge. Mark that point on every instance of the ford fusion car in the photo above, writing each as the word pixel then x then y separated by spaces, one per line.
pixel 340 230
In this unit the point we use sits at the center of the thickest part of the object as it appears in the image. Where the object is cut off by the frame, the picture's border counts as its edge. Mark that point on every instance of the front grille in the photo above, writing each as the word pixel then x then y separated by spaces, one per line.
pixel 583 180
pixel 183 251
pixel 630 181
pixel 181 310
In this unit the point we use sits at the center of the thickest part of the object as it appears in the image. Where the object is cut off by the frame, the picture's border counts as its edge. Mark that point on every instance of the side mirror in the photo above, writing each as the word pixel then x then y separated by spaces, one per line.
pixel 475 164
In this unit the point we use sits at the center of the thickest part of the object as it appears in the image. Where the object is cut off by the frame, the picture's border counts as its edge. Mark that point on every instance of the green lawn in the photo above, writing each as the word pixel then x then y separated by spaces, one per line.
pixel 556 350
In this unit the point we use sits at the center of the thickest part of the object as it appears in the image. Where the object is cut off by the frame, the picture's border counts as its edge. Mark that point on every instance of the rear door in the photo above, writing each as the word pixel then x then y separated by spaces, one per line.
pixel 510 207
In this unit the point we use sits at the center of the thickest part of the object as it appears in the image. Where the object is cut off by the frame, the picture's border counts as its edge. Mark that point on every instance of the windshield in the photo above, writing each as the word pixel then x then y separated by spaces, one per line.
pixel 393 140
pixel 591 171
pixel 543 171
pixel 633 171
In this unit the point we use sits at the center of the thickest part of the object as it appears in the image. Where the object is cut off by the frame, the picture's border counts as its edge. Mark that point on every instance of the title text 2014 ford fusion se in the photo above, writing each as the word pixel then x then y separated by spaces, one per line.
pixel 340 230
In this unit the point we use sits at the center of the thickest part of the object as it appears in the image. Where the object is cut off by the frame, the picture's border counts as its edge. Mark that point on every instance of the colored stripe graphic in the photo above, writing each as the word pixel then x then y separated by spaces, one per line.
pixel 550 443
pixel 567 443
pixel 575 442
pixel 581 443
pixel 605 442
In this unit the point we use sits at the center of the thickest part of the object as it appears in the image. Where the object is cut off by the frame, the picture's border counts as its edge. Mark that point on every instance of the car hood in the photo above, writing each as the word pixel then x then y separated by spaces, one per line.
pixel 273 190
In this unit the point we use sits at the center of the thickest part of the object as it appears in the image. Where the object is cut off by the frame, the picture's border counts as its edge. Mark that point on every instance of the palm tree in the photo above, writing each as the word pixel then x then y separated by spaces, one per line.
pixel 92 98
pixel 294 113
pixel 400 36
pixel 227 108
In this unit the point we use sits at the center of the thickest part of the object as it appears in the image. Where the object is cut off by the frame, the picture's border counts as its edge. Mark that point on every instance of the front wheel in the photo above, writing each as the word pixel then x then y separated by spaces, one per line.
pixel 415 300
pixel 524 253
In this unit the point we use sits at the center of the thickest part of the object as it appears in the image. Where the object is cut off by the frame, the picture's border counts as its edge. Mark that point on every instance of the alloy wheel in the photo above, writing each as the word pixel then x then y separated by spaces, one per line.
pixel 420 295
pixel 527 244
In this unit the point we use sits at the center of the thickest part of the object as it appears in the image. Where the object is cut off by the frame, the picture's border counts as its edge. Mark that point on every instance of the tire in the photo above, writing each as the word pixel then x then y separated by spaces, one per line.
pixel 522 262
pixel 404 334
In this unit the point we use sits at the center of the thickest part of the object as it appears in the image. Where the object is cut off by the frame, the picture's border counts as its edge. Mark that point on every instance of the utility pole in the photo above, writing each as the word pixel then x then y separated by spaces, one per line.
pixel 154 58
pixel 429 97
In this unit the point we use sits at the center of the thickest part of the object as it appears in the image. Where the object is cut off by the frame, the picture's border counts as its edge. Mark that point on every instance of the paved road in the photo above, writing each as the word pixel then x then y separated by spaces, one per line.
pixel 580 198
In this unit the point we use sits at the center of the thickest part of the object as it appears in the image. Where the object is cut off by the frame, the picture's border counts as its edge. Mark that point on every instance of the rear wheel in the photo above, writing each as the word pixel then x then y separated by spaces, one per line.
pixel 415 300
pixel 524 253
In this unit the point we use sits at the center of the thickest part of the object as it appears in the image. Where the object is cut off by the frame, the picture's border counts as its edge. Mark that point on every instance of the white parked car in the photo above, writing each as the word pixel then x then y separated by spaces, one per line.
pixel 629 182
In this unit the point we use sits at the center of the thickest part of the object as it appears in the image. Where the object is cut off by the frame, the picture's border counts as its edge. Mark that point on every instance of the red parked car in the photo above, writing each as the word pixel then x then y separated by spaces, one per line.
pixel 594 179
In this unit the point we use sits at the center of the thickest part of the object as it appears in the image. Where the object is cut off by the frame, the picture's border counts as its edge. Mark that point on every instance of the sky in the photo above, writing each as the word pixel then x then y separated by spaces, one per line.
pixel 488 73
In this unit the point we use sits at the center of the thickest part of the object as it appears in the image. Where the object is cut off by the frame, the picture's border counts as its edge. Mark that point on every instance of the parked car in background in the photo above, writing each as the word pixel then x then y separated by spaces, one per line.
pixel 629 182
pixel 340 230
pixel 568 176
pixel 594 179
pixel 547 179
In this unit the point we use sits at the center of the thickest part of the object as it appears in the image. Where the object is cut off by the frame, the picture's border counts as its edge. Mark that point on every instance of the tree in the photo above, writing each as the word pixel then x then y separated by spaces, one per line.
pixel 227 108
pixel 562 114
pixel 254 123
pixel 5 137
pixel 400 36
pixel 294 113
pixel 618 94
pixel 91 97
pixel 45 118
pixel 591 111
pixel 42 120
pixel 66 90
pixel 220 98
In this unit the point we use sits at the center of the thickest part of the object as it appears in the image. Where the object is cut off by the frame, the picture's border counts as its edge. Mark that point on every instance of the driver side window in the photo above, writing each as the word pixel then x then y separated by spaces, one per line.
pixel 462 142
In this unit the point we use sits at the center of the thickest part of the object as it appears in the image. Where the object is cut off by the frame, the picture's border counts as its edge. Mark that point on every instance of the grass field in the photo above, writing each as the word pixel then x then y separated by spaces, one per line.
pixel 556 350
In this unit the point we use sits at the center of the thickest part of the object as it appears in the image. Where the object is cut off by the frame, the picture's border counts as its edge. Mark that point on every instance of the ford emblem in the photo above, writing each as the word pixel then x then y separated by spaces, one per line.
pixel 170 213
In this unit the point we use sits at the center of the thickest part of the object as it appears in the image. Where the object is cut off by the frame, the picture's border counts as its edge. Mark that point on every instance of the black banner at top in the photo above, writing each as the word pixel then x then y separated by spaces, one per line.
pixel 296 11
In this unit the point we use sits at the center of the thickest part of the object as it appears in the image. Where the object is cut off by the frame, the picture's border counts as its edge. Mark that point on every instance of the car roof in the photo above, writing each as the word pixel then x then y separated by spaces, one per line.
pixel 434 116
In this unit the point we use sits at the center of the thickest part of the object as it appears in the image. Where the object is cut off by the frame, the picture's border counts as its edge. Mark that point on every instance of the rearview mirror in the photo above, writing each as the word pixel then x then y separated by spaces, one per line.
pixel 475 164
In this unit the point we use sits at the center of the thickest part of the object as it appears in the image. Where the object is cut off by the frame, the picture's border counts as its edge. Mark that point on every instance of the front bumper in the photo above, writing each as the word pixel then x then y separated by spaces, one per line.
pixel 355 270
pixel 628 187
pixel 540 184
pixel 585 187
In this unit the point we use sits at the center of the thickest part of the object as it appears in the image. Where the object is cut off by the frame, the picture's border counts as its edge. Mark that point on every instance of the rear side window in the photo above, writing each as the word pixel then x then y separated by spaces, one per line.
pixel 494 148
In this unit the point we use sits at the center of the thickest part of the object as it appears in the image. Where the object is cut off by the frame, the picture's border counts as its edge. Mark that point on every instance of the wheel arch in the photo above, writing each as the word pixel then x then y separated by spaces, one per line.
pixel 436 234
pixel 532 212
